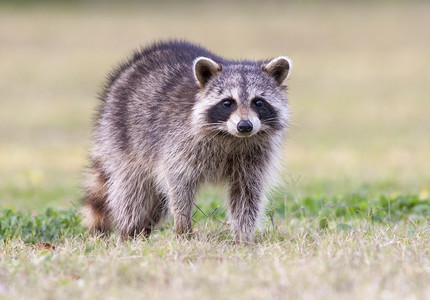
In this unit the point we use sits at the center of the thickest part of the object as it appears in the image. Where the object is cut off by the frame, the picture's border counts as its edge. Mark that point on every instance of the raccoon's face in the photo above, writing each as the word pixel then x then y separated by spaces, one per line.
pixel 241 99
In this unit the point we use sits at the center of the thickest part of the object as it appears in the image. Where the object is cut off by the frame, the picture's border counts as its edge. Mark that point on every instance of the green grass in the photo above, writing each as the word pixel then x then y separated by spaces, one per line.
pixel 350 218
pixel 45 227
pixel 297 258
pixel 331 248
pixel 58 225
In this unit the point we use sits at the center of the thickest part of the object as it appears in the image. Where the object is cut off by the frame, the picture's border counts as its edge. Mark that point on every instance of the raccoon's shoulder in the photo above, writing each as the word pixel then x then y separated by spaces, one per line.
pixel 160 54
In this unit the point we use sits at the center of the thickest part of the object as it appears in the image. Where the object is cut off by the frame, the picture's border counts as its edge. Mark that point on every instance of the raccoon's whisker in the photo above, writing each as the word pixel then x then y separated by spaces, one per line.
pixel 216 131
pixel 214 135
pixel 270 120
pixel 212 124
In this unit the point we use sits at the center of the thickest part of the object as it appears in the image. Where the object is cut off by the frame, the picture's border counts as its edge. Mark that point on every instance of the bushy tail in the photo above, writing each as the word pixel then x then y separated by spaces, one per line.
pixel 94 210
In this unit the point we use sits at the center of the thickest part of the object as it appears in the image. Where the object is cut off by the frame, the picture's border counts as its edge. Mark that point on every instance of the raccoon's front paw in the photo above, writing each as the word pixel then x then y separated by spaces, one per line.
pixel 242 235
pixel 243 239
pixel 183 226
pixel 133 234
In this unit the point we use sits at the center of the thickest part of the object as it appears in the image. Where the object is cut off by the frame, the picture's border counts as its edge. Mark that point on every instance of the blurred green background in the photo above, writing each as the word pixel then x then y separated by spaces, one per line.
pixel 359 89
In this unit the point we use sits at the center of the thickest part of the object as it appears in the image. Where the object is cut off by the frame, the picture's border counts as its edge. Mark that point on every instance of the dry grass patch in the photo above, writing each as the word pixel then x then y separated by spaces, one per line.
pixel 297 261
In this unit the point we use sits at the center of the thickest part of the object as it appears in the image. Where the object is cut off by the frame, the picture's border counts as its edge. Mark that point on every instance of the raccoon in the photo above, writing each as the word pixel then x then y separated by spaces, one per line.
pixel 176 116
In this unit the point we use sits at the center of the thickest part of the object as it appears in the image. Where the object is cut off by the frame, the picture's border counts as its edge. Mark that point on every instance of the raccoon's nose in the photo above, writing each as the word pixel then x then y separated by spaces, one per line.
pixel 244 126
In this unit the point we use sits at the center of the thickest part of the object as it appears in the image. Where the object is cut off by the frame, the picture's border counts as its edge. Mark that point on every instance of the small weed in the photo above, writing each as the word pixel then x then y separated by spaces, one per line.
pixel 382 208
pixel 44 227
pixel 53 224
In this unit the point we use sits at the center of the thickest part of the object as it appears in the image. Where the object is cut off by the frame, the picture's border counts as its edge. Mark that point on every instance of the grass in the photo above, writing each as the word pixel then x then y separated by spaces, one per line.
pixel 295 260
pixel 318 248
pixel 350 219
pixel 57 225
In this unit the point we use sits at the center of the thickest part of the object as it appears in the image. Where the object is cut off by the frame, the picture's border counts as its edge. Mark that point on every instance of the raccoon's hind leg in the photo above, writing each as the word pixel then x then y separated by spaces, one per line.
pixel 182 194
pixel 95 210
pixel 135 204
pixel 155 214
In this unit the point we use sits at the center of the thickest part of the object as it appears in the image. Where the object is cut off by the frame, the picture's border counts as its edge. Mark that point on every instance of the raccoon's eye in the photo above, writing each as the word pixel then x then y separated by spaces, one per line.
pixel 258 102
pixel 227 102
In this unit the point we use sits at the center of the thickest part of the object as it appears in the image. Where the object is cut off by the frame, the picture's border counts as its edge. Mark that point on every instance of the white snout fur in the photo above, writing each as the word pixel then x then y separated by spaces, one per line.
pixel 235 118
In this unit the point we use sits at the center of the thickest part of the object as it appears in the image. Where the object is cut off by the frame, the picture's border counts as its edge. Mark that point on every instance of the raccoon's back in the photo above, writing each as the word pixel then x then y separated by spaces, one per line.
pixel 149 98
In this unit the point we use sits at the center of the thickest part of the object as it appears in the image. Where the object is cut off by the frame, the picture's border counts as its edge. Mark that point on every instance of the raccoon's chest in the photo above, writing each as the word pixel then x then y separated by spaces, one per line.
pixel 211 161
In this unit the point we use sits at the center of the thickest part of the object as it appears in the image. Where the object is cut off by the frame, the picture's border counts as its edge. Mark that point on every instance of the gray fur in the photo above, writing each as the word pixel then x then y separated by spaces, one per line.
pixel 156 142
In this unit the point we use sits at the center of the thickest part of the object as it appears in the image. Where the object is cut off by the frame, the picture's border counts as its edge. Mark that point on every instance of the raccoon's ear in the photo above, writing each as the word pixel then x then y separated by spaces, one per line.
pixel 279 68
pixel 204 69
